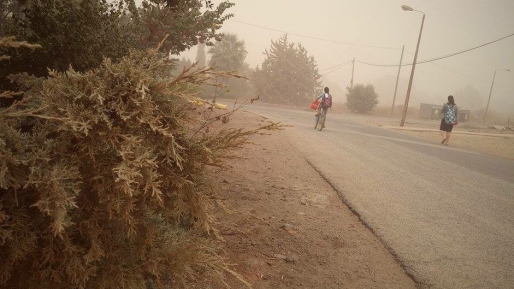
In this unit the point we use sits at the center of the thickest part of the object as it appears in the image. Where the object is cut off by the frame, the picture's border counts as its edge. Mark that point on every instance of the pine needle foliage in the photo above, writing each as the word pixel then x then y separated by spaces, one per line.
pixel 287 75
pixel 103 179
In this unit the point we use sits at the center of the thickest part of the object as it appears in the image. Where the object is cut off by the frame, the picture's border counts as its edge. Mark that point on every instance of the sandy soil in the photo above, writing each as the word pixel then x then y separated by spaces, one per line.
pixel 287 227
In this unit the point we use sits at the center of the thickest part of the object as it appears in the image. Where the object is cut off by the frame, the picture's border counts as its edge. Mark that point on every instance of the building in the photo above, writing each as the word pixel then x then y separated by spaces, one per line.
pixel 464 115
pixel 433 111
pixel 429 111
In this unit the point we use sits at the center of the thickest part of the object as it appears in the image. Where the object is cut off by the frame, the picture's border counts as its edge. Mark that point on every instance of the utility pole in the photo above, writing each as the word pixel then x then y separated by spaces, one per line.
pixel 353 69
pixel 397 79
pixel 488 100
pixel 491 92
pixel 406 105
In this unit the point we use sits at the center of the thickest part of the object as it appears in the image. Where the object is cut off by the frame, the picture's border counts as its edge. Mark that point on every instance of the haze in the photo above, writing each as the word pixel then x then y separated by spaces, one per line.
pixel 450 26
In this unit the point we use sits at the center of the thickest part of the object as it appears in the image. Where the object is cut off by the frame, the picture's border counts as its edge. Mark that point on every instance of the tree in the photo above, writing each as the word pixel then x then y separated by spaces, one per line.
pixel 183 20
pixel 200 55
pixel 81 33
pixel 361 98
pixel 229 54
pixel 287 75
pixel 182 64
pixel 76 33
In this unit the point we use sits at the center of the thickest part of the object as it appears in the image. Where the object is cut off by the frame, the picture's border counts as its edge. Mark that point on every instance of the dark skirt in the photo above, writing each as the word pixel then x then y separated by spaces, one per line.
pixel 445 126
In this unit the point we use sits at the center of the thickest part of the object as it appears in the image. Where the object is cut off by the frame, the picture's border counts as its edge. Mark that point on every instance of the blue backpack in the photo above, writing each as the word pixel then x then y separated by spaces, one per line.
pixel 450 116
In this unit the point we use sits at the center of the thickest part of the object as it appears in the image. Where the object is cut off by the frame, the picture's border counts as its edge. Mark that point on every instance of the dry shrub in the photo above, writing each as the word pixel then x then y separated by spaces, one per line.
pixel 103 179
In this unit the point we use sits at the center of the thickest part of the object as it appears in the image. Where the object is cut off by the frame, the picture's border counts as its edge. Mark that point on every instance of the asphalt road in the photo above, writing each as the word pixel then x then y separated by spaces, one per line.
pixel 446 213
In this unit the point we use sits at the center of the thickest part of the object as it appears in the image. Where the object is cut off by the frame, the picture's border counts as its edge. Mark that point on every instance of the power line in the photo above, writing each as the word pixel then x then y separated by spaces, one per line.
pixel 338 67
pixel 340 64
pixel 456 72
pixel 451 70
pixel 470 49
pixel 313 37
pixel 440 57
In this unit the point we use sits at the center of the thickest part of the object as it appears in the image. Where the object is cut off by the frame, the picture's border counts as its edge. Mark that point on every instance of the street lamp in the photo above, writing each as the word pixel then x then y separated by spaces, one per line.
pixel 407 8
pixel 406 105
pixel 491 92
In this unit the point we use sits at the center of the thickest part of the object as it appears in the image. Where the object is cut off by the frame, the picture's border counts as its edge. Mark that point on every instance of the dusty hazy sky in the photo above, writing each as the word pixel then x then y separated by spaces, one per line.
pixel 450 26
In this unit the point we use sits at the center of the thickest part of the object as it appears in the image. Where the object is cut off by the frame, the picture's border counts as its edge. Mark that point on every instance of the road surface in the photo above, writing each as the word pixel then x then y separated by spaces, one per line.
pixel 446 213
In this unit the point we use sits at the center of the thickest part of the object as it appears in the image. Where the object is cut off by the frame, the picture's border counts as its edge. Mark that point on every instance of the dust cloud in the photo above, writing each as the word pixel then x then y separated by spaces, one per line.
pixel 450 26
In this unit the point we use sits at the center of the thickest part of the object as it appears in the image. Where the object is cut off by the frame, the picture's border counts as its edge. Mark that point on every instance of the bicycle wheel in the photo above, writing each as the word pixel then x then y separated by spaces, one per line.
pixel 321 121
pixel 316 118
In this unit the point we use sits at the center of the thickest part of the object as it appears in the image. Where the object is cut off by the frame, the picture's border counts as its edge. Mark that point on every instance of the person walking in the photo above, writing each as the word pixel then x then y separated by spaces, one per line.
pixel 450 116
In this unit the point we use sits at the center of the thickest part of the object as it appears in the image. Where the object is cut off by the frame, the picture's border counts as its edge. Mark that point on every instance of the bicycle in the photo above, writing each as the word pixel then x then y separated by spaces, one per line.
pixel 320 120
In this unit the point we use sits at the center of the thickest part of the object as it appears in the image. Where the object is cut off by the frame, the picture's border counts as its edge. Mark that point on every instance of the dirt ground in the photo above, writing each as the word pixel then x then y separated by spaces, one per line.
pixel 287 227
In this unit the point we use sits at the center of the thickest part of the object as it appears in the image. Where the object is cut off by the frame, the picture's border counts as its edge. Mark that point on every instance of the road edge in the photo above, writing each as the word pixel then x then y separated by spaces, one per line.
pixel 419 283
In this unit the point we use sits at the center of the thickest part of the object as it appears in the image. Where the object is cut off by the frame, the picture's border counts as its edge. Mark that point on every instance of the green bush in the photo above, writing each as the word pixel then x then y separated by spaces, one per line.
pixel 361 98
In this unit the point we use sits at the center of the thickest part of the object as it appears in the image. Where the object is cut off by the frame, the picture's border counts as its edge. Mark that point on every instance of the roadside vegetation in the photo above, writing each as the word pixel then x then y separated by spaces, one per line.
pixel 229 54
pixel 361 98
pixel 288 75
pixel 104 151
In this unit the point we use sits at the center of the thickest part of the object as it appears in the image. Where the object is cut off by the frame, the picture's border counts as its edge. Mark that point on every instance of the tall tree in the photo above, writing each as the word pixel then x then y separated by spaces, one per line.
pixel 287 75
pixel 361 98
pixel 180 64
pixel 200 55
pixel 186 22
pixel 228 54
pixel 81 33
pixel 76 33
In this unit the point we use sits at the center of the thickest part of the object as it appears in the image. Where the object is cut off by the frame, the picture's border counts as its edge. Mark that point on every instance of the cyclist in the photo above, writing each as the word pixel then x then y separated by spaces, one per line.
pixel 326 102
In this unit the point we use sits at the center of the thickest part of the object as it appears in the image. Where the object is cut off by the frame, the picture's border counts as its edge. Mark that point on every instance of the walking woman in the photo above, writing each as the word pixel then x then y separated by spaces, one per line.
pixel 450 115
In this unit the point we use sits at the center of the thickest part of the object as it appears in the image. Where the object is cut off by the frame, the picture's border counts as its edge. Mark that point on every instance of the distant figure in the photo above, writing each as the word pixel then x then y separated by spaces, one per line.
pixel 450 116
pixel 326 102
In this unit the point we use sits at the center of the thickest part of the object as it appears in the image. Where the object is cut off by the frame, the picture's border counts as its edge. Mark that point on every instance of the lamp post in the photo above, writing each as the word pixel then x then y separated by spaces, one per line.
pixel 491 92
pixel 406 105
